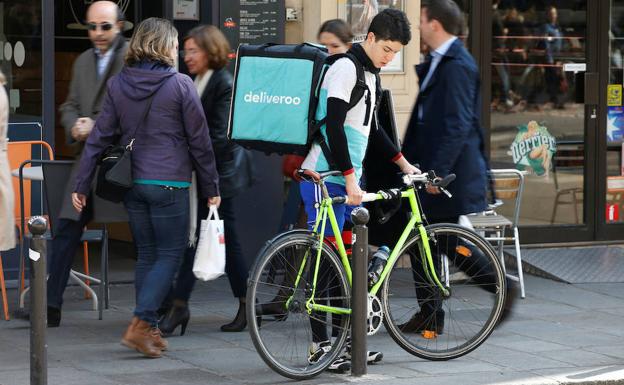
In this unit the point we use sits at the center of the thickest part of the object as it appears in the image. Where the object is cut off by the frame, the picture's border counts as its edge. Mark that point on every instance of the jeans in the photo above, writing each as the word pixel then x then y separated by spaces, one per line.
pixel 64 245
pixel 235 262
pixel 159 220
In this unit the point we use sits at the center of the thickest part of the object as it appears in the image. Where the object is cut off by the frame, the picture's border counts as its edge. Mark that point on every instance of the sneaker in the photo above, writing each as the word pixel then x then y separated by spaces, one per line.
pixel 340 365
pixel 319 349
pixel 371 357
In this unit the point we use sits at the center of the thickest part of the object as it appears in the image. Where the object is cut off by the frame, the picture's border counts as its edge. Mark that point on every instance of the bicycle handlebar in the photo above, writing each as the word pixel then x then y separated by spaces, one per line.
pixel 408 179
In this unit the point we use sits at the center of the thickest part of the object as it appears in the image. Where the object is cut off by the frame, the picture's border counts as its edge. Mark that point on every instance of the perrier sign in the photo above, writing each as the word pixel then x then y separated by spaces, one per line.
pixel 533 148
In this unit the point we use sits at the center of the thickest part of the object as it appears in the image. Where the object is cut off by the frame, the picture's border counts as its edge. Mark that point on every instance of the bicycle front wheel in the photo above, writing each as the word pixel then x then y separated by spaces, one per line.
pixel 292 339
pixel 436 326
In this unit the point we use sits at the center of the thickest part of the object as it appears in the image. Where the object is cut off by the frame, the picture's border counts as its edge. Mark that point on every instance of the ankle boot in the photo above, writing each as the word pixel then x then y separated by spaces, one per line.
pixel 161 343
pixel 140 336
pixel 240 321
pixel 177 315
pixel 124 339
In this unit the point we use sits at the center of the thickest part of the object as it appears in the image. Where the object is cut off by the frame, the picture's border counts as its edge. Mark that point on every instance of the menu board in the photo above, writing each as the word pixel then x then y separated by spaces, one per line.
pixel 253 21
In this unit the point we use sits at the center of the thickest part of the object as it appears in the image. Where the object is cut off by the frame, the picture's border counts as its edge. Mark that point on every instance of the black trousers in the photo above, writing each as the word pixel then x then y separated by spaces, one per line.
pixel 477 267
pixel 235 262
pixel 64 246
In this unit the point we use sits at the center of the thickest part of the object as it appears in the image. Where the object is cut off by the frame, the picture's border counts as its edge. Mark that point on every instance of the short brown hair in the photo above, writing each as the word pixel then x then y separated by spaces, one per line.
pixel 213 42
pixel 339 28
pixel 152 40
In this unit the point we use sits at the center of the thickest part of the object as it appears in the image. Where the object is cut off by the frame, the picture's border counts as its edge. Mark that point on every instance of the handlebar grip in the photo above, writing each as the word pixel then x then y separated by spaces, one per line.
pixel 444 181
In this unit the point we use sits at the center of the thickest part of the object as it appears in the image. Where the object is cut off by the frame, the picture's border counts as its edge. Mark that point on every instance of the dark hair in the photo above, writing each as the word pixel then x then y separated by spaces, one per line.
pixel 214 44
pixel 391 24
pixel 337 27
pixel 446 12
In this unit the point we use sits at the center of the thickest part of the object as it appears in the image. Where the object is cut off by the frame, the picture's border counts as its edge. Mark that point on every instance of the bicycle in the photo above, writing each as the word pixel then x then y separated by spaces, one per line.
pixel 299 288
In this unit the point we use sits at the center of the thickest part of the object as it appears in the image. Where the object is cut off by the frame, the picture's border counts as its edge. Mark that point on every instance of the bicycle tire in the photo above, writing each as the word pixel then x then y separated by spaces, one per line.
pixel 462 321
pixel 282 336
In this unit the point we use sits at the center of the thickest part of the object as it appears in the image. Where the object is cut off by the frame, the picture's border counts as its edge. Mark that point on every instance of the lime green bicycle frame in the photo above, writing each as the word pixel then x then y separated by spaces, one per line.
pixel 326 211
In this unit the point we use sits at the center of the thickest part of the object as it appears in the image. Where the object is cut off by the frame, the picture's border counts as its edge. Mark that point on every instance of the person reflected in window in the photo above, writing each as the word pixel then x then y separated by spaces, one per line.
pixel 556 83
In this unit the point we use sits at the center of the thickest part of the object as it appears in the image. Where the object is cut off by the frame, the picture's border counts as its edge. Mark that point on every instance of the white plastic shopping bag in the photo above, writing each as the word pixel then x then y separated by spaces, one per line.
pixel 210 253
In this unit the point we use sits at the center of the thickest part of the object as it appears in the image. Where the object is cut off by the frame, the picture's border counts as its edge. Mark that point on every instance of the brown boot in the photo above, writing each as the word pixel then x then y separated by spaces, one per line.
pixel 141 337
pixel 161 343
pixel 127 333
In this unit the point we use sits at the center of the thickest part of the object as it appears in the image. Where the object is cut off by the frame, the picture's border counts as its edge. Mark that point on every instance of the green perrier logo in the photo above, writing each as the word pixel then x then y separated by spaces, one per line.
pixel 533 148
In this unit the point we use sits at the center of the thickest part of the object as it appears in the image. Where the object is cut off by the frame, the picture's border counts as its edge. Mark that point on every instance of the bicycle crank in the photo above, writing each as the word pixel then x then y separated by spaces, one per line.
pixel 375 315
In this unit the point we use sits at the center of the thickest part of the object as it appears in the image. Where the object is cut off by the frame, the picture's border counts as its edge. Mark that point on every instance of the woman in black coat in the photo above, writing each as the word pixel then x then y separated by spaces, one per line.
pixel 205 55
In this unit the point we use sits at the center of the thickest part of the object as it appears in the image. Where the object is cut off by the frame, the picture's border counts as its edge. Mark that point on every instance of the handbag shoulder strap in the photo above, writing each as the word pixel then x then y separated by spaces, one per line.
pixel 142 121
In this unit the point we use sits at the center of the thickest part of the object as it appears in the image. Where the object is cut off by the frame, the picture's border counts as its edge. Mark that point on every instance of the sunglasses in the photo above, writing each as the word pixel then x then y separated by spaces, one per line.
pixel 103 26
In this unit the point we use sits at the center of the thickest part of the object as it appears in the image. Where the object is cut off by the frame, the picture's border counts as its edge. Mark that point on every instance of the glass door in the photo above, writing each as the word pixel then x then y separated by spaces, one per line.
pixel 611 138
pixel 542 112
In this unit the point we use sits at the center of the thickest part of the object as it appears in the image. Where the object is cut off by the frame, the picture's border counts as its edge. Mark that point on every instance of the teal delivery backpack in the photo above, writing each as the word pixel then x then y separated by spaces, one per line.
pixel 276 94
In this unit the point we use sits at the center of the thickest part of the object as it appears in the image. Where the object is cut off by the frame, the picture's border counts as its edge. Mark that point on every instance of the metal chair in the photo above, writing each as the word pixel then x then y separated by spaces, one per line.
pixel 509 185
pixel 56 175
pixel 18 152
pixel 570 158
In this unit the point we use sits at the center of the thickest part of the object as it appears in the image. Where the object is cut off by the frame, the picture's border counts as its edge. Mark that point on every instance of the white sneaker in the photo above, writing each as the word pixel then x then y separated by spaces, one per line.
pixel 319 349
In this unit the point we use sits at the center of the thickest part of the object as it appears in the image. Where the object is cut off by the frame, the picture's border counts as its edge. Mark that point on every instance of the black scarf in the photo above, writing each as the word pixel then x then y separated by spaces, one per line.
pixel 358 51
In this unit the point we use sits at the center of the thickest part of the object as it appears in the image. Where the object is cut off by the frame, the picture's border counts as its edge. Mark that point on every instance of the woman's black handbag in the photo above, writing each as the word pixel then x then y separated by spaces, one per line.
pixel 114 178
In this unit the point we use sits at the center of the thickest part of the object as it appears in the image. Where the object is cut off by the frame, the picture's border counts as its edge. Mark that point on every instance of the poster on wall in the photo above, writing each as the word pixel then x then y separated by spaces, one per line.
pixel 533 148
pixel 360 13
pixel 186 9
pixel 252 22
pixel 615 124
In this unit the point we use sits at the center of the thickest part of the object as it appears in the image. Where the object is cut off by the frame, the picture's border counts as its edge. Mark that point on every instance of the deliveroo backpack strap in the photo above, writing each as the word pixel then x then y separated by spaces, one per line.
pixel 274 97
pixel 359 91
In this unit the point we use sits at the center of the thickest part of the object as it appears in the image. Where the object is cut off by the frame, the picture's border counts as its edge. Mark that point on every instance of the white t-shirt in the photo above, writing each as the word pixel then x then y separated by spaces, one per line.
pixel 339 82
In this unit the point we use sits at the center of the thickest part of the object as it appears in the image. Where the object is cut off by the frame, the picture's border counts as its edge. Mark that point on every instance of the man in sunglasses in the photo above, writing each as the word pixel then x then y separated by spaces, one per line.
pixel 91 71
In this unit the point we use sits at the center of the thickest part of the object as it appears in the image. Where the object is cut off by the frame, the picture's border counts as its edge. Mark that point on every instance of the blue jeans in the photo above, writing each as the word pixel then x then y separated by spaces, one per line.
pixel 159 220
pixel 311 194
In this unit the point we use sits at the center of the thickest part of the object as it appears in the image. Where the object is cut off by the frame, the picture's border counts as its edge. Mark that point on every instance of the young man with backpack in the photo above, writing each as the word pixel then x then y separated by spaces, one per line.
pixel 348 100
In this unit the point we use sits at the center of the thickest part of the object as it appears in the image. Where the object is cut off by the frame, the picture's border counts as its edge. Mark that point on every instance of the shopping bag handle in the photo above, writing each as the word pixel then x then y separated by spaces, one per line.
pixel 213 213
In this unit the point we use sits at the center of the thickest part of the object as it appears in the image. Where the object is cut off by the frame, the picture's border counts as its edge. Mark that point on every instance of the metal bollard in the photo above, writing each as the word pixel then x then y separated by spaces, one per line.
pixel 38 302
pixel 359 292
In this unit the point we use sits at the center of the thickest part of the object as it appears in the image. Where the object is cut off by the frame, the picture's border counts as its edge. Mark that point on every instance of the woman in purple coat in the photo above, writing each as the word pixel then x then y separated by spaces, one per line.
pixel 172 140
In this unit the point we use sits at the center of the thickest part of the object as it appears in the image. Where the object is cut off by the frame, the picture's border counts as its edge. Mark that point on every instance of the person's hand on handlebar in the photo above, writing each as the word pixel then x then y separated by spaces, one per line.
pixel 434 190
pixel 354 192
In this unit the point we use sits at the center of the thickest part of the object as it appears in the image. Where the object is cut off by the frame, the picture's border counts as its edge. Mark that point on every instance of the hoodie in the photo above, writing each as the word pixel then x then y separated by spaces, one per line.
pixel 171 142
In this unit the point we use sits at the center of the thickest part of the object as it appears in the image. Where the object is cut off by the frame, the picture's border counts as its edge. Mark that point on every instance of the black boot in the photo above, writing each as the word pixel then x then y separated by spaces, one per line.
pixel 179 314
pixel 240 321
pixel 54 317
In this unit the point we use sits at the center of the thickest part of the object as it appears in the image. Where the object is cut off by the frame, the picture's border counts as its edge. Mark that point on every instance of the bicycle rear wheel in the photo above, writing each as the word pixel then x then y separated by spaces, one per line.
pixel 420 318
pixel 282 329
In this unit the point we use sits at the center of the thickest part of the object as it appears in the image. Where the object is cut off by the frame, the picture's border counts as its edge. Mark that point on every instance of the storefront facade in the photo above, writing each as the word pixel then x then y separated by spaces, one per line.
pixel 552 74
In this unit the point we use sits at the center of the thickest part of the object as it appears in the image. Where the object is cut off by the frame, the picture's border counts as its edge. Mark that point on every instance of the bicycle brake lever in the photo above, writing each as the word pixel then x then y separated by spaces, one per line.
pixel 446 192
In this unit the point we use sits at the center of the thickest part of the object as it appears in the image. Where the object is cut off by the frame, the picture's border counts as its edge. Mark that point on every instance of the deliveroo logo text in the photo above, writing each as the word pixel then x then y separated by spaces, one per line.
pixel 266 98
pixel 533 148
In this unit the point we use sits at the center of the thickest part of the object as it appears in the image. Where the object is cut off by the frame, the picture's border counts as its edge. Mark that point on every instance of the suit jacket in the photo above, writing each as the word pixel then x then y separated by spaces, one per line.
pixel 449 139
pixel 86 92
pixel 233 161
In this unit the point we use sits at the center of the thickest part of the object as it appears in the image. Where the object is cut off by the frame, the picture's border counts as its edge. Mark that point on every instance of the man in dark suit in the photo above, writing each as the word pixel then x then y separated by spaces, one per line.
pixel 91 71
pixel 444 135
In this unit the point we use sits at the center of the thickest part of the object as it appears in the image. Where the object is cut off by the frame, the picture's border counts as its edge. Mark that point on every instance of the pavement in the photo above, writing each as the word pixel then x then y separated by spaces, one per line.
pixel 559 334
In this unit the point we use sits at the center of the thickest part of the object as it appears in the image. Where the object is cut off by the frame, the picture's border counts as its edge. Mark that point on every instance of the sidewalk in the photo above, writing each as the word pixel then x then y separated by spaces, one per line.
pixel 560 334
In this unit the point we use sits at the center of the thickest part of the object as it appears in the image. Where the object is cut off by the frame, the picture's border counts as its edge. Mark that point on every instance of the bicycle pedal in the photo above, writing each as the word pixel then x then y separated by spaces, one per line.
pixel 429 334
